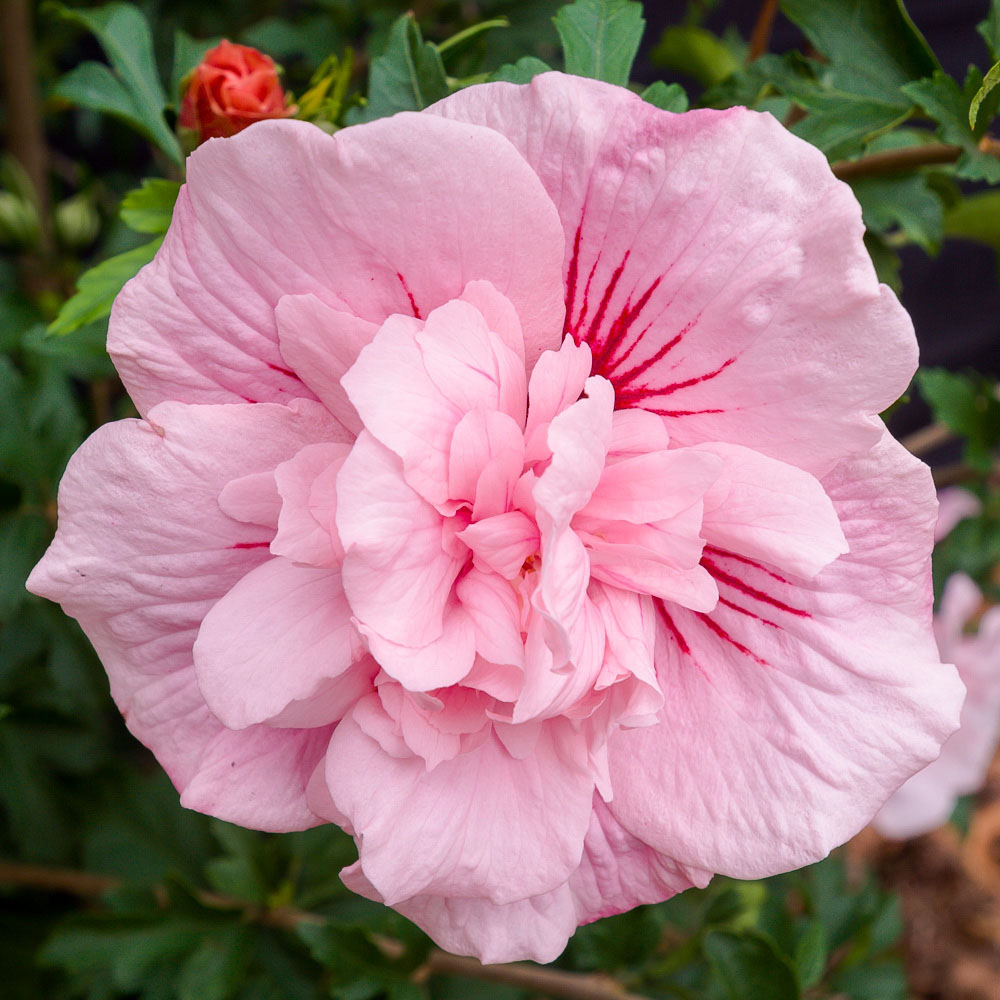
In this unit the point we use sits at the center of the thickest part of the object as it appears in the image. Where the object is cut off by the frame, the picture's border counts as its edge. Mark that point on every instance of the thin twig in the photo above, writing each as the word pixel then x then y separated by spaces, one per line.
pixel 761 35
pixel 895 161
pixel 91 885
pixel 550 982
pixel 86 885
pixel 925 440
pixel 25 138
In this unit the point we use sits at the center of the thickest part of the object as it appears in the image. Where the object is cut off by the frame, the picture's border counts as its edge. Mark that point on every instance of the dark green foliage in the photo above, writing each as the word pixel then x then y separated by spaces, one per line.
pixel 967 405
pixel 407 76
pixel 196 909
pixel 131 88
pixel 600 38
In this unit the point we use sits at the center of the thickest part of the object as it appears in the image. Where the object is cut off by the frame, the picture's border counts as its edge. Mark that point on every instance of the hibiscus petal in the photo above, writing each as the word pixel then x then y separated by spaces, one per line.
pixel 536 928
pixel 440 662
pixel 768 510
pixel 274 638
pixel 578 438
pixel 557 381
pixel 502 543
pixel 492 606
pixel 485 438
pixel 144 551
pixel 654 486
pixel 482 824
pixel 254 499
pixel 415 382
pixel 699 248
pixel 198 324
pixel 302 536
pixel 616 873
pixel 257 777
pixel 793 709
pixel 320 344
pixel 398 572
pixel 928 798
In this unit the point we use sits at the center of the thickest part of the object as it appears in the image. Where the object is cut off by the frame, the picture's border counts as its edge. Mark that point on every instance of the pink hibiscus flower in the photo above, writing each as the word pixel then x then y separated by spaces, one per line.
pixel 510 491
pixel 927 799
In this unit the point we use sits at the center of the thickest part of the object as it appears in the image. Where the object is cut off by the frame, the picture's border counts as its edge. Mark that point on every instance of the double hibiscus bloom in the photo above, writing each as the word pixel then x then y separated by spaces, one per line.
pixel 510 491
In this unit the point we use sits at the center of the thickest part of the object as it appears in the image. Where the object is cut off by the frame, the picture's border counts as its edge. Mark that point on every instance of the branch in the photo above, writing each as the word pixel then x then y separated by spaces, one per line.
pixel 896 161
pixel 925 440
pixel 24 119
pixel 761 35
pixel 551 982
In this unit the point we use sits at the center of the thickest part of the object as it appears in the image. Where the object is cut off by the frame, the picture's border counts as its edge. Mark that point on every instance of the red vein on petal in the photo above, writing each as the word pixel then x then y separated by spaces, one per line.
pixel 586 301
pixel 643 366
pixel 571 278
pixel 723 634
pixel 250 545
pixel 603 363
pixel 602 308
pixel 669 413
pixel 713 550
pixel 409 295
pixel 671 627
pixel 642 392
pixel 723 577
pixel 746 611
pixel 283 371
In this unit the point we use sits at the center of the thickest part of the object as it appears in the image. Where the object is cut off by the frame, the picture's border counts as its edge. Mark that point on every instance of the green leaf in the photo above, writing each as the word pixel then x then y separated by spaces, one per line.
pixel 967 404
pixel 840 123
pixel 872 46
pixel 96 289
pixel 188 52
pixel 991 79
pixel 215 969
pixel 976 217
pixel 128 947
pixel 903 201
pixel 461 39
pixel 810 954
pixel 408 76
pixel 990 29
pixel 948 104
pixel 695 52
pixel 600 38
pixel 149 208
pixel 666 97
pixel 140 833
pixel 93 85
pixel 23 539
pixel 749 967
pixel 884 980
pixel 523 71
pixel 124 35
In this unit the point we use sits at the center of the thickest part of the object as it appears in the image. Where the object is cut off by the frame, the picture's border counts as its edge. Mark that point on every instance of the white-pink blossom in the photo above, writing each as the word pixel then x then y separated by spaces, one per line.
pixel 927 800
pixel 510 491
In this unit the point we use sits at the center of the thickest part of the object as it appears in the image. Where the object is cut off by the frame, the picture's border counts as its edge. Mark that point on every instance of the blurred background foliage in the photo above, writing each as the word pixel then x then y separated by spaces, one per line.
pixel 107 888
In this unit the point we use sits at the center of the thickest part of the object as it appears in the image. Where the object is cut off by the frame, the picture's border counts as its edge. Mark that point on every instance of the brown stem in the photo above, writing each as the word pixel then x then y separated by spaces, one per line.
pixel 87 885
pixel 895 161
pixel 926 439
pixel 551 982
pixel 90 885
pixel 25 138
pixel 761 35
